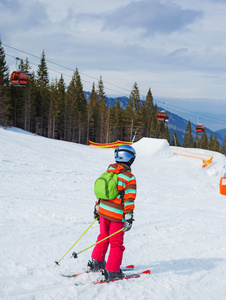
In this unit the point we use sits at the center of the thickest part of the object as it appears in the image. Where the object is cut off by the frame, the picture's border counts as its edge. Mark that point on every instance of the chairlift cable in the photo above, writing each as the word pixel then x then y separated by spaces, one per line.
pixel 192 113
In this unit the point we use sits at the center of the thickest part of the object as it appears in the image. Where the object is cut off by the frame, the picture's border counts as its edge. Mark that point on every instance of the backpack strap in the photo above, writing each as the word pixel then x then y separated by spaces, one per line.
pixel 122 193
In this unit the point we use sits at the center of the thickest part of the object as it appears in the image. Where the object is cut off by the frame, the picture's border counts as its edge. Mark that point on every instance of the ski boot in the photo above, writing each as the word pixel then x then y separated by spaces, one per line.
pixel 94 265
pixel 108 275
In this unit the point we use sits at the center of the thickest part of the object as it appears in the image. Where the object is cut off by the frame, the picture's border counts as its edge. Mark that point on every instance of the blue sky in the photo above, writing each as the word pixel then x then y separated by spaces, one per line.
pixel 176 48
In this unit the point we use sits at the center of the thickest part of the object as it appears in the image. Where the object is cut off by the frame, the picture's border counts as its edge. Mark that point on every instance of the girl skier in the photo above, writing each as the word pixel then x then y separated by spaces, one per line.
pixel 113 216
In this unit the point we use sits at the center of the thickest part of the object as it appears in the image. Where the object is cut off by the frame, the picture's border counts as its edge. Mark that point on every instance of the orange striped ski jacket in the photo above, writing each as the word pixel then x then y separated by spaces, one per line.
pixel 116 209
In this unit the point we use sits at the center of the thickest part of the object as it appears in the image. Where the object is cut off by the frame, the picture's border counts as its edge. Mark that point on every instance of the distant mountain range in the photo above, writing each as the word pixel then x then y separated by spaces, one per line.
pixel 179 125
pixel 175 123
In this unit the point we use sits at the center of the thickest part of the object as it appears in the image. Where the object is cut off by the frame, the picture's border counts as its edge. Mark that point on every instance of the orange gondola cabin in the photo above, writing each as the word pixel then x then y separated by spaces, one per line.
pixel 19 78
pixel 200 128
pixel 163 117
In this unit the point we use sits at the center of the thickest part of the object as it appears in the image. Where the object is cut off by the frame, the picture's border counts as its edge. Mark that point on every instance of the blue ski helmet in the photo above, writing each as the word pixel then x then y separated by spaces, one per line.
pixel 125 154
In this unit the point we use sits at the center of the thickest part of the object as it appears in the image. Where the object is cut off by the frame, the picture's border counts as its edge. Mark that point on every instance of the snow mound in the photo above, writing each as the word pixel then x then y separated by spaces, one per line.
pixel 151 147
pixel 218 167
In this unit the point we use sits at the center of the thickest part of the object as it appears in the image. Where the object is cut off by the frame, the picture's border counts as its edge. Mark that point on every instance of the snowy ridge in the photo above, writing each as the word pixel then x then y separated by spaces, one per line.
pixel 46 203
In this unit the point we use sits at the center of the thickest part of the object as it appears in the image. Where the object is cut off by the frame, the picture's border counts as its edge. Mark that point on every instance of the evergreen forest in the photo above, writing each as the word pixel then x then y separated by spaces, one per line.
pixel 57 111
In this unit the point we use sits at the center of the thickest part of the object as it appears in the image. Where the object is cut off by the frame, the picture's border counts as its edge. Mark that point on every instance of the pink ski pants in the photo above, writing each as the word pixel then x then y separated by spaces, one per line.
pixel 114 261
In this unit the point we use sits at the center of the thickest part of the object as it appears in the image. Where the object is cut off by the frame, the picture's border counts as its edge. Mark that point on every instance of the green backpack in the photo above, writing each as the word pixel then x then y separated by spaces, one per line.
pixel 105 187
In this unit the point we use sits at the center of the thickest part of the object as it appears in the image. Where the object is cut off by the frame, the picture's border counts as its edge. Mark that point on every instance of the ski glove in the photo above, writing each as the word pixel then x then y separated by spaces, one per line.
pixel 129 221
pixel 95 213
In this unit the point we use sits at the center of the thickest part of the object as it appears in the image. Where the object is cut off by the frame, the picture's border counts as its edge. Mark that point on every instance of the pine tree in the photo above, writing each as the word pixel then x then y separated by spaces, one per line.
pixel 160 132
pixel 148 110
pixel 188 138
pixel 29 99
pixel 175 140
pixel 4 71
pixel 154 122
pixel 42 97
pixel 71 110
pixel 30 109
pixel 61 110
pixel 52 109
pixel 42 72
pixel 4 96
pixel 216 145
pixel 17 101
pixel 116 122
pixel 92 114
pixel 80 106
pixel 4 109
pixel 211 142
pixel 129 120
pixel 197 143
pixel 166 134
pixel 76 111
pixel 102 111
pixel 120 122
pixel 25 66
pixel 107 125
pixel 131 112
pixel 139 124
pixel 223 149
pixel 204 141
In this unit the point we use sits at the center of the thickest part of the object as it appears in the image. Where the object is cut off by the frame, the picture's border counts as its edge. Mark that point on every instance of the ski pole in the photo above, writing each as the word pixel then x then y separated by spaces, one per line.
pixel 75 255
pixel 57 262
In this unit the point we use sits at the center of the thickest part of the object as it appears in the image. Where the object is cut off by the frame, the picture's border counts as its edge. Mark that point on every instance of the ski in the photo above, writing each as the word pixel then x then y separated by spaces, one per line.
pixel 124 269
pixel 135 275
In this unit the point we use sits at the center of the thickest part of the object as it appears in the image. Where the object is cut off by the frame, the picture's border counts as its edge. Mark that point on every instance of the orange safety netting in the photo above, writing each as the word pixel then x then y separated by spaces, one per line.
pixel 206 163
pixel 206 159
pixel 109 145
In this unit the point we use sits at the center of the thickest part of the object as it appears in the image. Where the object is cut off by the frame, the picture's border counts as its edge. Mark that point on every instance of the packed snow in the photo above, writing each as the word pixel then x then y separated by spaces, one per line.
pixel 47 200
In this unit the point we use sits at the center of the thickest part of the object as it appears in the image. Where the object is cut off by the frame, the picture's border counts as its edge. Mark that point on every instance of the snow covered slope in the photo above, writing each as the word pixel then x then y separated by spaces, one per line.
pixel 46 203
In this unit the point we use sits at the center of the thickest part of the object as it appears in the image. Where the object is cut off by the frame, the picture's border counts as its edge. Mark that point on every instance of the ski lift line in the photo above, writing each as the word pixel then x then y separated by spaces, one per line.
pixel 186 113
pixel 193 112
pixel 31 63
pixel 221 122
pixel 106 88
pixel 190 114
pixel 70 69
pixel 35 56
pixel 39 58
pixel 49 69
pixel 95 78
pixel 10 55
pixel 199 114
pixel 190 111
pixel 59 65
